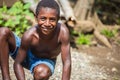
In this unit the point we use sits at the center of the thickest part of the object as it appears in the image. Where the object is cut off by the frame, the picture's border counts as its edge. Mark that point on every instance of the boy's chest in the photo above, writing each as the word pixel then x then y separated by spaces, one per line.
pixel 45 46
pixel 44 49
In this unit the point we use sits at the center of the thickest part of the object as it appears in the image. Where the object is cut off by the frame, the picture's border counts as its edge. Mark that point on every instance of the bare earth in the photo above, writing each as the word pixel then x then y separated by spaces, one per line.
pixel 88 63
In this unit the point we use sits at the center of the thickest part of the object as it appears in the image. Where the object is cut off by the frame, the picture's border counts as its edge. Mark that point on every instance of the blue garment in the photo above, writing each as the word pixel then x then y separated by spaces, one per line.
pixel 31 61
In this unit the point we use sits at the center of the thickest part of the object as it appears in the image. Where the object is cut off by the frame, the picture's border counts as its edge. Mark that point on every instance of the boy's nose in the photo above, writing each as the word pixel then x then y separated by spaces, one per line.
pixel 47 23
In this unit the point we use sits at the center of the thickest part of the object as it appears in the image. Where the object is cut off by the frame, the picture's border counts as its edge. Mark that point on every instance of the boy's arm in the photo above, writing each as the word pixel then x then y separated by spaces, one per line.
pixel 22 52
pixel 18 68
pixel 65 54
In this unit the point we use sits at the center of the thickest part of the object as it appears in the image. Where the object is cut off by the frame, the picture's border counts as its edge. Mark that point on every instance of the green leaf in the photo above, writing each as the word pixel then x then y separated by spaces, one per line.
pixel 28 13
pixel 1 17
pixel 1 21
pixel 4 9
pixel 109 33
pixel 20 23
pixel 26 6
pixel 83 39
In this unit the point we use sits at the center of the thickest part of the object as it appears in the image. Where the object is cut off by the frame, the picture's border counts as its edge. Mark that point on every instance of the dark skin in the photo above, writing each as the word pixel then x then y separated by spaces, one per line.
pixel 47 40
pixel 7 44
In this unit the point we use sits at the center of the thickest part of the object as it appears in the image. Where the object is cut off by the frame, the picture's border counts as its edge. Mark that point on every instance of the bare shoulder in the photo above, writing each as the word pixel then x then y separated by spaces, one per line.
pixel 27 36
pixel 63 28
pixel 64 32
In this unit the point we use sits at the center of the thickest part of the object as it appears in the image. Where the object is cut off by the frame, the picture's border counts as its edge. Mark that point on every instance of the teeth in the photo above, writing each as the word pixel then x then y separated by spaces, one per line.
pixel 48 27
pixel 45 29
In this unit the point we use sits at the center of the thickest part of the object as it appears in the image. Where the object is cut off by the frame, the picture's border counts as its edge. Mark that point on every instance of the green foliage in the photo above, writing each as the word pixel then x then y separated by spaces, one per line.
pixel 15 17
pixel 74 33
pixel 83 39
pixel 109 33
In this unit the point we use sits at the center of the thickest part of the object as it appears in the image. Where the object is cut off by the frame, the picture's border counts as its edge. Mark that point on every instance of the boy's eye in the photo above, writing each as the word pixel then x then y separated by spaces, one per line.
pixel 42 18
pixel 52 19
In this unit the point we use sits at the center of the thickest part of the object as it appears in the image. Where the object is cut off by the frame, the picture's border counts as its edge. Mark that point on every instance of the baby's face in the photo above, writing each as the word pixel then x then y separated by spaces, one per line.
pixel 47 20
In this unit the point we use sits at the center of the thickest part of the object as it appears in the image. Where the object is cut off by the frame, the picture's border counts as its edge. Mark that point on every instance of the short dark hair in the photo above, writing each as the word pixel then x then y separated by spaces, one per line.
pixel 48 3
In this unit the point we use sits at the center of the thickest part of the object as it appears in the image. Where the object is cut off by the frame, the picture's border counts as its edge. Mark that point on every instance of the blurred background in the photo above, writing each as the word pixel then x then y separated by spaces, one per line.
pixel 94 27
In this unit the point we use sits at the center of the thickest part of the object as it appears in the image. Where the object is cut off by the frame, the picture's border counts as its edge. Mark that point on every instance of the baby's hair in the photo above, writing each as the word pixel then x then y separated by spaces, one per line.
pixel 48 3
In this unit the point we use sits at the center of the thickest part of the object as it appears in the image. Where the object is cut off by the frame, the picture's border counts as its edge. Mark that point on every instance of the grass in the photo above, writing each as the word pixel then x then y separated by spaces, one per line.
pixel 84 39
pixel 109 33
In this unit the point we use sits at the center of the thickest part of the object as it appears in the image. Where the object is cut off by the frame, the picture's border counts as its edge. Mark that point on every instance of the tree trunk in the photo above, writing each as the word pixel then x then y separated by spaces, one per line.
pixel 62 16
pixel 68 11
pixel 83 9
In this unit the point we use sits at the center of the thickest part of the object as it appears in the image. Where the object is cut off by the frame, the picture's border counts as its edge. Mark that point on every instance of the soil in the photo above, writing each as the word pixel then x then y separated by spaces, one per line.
pixel 93 63
pixel 88 63
pixel 107 60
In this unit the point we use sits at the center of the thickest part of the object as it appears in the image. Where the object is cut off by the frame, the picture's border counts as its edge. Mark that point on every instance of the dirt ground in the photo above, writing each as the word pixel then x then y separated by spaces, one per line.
pixel 93 63
pixel 108 59
pixel 88 63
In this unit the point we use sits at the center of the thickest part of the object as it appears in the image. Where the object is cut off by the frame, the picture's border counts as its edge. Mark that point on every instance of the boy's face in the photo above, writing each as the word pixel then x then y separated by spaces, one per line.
pixel 47 20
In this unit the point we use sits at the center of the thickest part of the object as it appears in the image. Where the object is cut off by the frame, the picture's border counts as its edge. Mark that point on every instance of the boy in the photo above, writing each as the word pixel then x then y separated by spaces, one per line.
pixel 39 47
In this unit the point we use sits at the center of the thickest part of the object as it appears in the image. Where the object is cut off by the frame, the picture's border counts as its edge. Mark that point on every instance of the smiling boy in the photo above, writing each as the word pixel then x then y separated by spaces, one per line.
pixel 39 47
